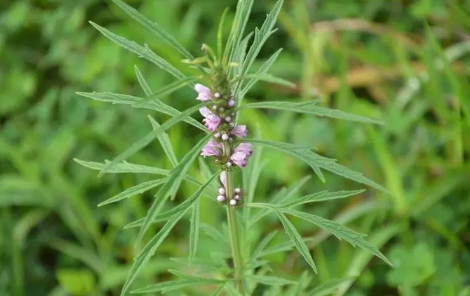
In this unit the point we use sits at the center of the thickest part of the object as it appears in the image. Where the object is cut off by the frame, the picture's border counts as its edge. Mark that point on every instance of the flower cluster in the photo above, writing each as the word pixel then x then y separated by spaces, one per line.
pixel 218 118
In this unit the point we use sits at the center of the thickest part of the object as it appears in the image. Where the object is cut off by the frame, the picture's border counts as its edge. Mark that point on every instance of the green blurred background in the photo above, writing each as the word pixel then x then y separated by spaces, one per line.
pixel 404 61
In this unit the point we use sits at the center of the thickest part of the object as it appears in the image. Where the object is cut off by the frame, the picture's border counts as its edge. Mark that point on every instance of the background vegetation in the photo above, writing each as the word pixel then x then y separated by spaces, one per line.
pixel 406 62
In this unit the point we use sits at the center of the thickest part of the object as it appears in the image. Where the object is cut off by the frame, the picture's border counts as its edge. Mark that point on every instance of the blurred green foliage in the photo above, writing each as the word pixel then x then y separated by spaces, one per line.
pixel 406 62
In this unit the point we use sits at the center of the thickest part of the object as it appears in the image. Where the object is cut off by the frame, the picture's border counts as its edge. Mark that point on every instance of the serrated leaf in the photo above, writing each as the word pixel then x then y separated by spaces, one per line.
pixel 327 288
pixel 135 190
pixel 284 195
pixel 262 70
pixel 154 28
pixel 309 108
pixel 194 230
pixel 173 182
pixel 296 238
pixel 150 248
pixel 267 78
pixel 141 51
pixel 338 230
pixel 321 196
pixel 270 280
pixel 165 142
pixel 123 168
pixel 137 146
pixel 137 102
pixel 317 162
pixel 261 35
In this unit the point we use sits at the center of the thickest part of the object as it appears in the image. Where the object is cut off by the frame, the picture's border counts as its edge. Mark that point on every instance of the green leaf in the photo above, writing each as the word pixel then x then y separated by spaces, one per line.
pixel 327 288
pixel 261 35
pixel 194 230
pixel 239 57
pixel 340 231
pixel 149 250
pixel 267 78
pixel 142 82
pixel 282 196
pixel 219 291
pixel 135 190
pixel 220 32
pixel 181 207
pixel 137 102
pixel 321 196
pixel 311 108
pixel 165 142
pixel 263 244
pixel 261 71
pixel 154 28
pixel 296 238
pixel 123 168
pixel 242 15
pixel 174 285
pixel 316 162
pixel 137 146
pixel 270 280
pixel 173 182
pixel 216 235
pixel 232 291
pixel 142 51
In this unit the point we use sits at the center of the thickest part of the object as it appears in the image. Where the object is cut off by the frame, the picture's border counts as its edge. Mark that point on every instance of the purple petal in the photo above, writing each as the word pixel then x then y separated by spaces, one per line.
pixel 240 131
pixel 223 179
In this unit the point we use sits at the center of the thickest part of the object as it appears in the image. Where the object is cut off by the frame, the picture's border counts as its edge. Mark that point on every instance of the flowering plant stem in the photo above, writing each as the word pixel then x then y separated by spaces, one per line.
pixel 235 241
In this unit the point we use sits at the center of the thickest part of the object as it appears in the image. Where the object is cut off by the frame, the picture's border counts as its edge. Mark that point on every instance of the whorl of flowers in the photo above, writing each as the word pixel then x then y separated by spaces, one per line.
pixel 225 146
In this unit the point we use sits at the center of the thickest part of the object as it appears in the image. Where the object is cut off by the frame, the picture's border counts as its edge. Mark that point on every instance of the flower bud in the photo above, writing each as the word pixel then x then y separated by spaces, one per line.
pixel 237 197
pixel 217 95
pixel 221 191
pixel 225 137
pixel 231 103
pixel 233 202
pixel 238 190
pixel 228 118
pixel 217 135
pixel 220 198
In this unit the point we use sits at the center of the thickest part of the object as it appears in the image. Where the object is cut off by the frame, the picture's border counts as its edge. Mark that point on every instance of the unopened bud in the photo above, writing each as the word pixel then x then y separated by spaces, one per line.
pixel 237 197
pixel 238 190
pixel 217 95
pixel 225 137
pixel 233 202
pixel 220 198
pixel 231 103
pixel 217 135
pixel 228 118
pixel 221 191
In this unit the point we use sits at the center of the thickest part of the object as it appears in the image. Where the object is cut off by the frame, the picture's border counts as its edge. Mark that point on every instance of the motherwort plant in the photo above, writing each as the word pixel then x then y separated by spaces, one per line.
pixel 227 145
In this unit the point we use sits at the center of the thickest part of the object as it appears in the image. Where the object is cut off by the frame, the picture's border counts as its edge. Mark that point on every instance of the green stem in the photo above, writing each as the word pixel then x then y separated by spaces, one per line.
pixel 234 239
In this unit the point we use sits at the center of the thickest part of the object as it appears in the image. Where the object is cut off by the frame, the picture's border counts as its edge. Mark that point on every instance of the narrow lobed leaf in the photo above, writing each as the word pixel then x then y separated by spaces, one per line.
pixel 309 108
pixel 194 230
pixel 137 146
pixel 270 280
pixel 296 238
pixel 327 288
pixel 138 189
pixel 267 78
pixel 141 51
pixel 154 28
pixel 321 196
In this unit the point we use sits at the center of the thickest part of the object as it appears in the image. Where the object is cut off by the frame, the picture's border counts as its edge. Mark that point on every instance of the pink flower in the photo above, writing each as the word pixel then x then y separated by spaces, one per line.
pixel 223 178
pixel 239 131
pixel 211 149
pixel 245 148
pixel 204 93
pixel 241 154
pixel 211 121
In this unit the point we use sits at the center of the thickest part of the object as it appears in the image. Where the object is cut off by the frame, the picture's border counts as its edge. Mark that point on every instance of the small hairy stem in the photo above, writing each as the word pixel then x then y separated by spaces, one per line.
pixel 234 240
